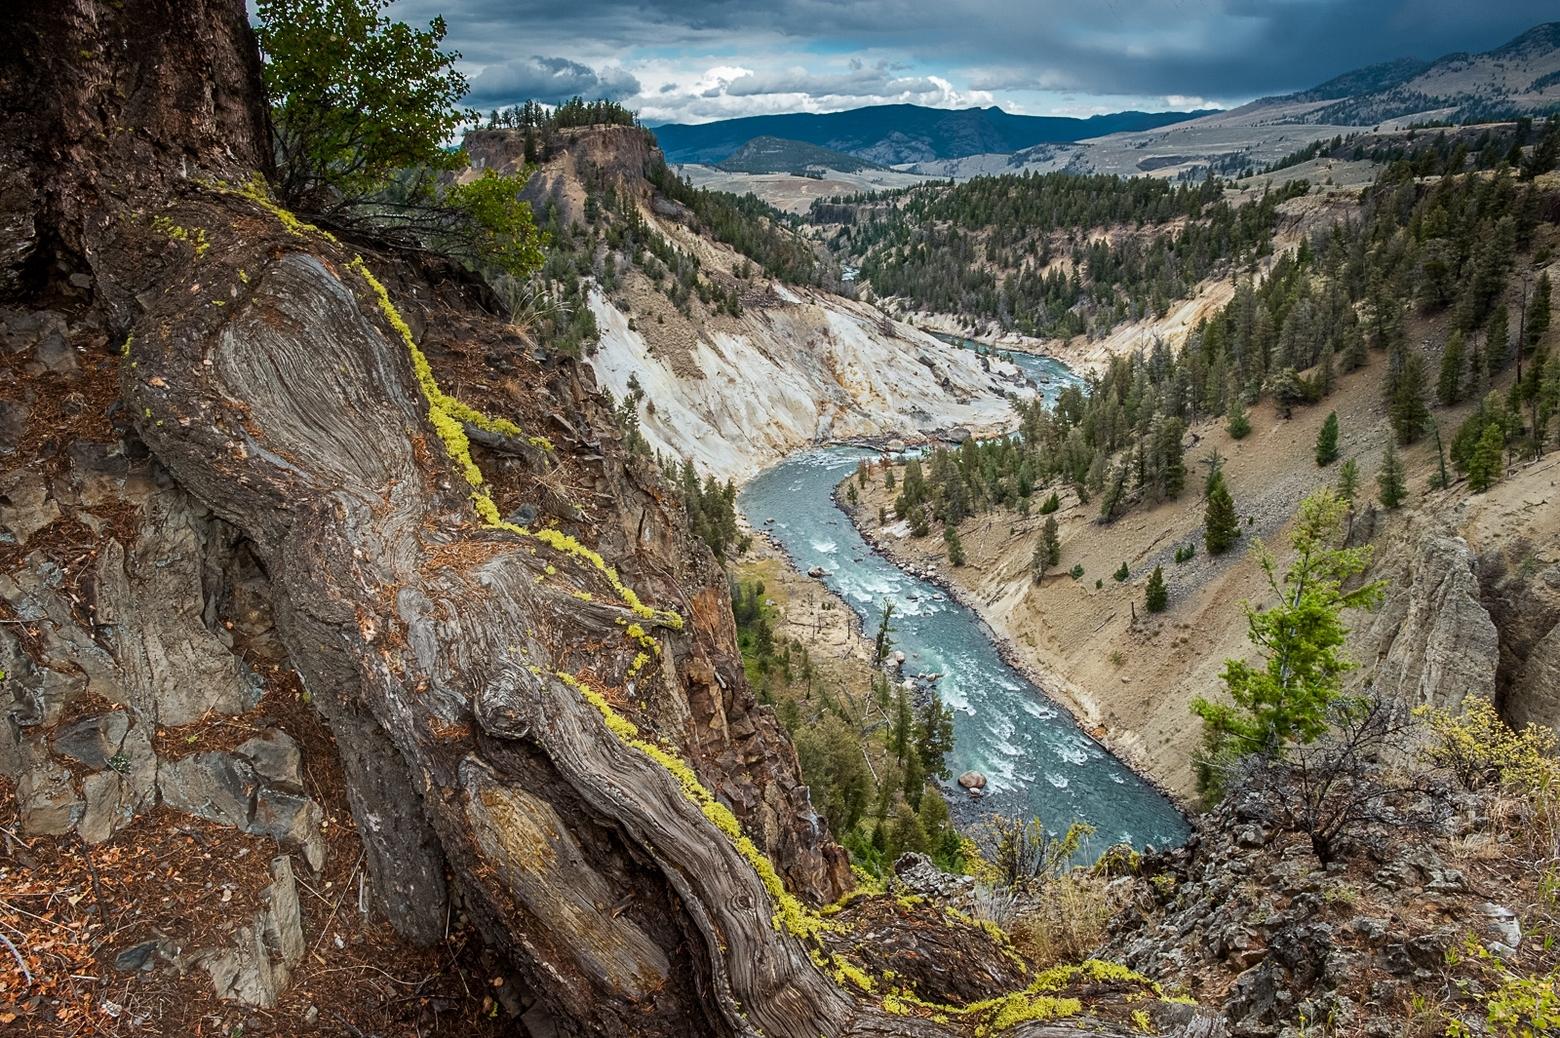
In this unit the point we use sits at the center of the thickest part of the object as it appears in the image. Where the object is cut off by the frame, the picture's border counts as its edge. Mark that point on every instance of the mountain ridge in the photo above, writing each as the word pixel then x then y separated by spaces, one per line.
pixel 891 134
pixel 1518 77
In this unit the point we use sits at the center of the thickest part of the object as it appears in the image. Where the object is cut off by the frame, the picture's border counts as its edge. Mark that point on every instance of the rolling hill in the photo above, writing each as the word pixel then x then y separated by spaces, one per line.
pixel 777 155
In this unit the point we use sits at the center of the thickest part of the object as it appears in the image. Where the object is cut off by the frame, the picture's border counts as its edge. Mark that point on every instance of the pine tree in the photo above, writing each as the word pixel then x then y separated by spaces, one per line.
pixel 1327 441
pixel 1498 338
pixel 1348 480
pixel 934 737
pixel 1286 700
pixel 1169 463
pixel 955 547
pixel 1449 387
pixel 882 643
pixel 1326 371
pixel 1354 355
pixel 1048 551
pixel 1238 424
pixel 1406 401
pixel 1157 596
pixel 1115 493
pixel 1390 481
pixel 1488 461
pixel 1537 320
pixel 1220 525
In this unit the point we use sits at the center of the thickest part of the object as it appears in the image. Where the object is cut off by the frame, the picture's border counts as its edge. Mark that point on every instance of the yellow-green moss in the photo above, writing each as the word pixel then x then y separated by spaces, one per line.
pixel 1023 1008
pixel 790 915
pixel 194 238
pixel 845 898
pixel 449 416
pixel 256 191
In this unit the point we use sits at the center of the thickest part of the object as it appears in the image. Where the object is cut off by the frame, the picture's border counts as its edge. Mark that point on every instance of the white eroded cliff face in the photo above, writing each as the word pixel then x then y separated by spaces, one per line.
pixel 801 368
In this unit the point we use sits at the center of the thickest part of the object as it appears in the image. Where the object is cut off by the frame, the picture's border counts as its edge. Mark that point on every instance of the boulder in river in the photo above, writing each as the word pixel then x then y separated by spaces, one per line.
pixel 815 572
pixel 972 781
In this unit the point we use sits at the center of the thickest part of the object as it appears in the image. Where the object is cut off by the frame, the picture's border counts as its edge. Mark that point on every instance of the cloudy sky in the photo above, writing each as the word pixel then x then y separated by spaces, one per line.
pixel 697 60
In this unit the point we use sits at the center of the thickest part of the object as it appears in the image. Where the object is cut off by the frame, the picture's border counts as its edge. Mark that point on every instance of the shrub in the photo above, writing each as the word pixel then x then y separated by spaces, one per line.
pixel 1121 573
pixel 1478 748
pixel 1050 504
pixel 1339 790
pixel 1077 571
pixel 355 97
pixel 1067 921
pixel 362 106
pixel 1025 855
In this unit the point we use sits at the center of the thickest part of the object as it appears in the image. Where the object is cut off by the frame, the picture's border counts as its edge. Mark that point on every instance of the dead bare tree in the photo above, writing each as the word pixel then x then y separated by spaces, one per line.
pixel 1347 789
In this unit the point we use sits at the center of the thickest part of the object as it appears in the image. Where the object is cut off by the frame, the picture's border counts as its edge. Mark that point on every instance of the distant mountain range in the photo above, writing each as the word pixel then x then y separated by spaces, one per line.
pixel 777 155
pixel 890 134
pixel 1521 77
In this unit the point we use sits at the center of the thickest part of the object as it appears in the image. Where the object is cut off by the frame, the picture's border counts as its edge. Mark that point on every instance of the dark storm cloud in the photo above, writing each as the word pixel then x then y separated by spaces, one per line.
pixel 552 80
pixel 1212 48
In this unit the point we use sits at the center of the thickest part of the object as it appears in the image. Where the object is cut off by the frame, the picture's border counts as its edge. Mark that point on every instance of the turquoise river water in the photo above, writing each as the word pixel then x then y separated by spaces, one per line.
pixel 1036 759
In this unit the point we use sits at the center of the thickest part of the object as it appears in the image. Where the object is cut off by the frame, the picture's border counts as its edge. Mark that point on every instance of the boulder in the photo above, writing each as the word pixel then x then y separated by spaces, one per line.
pixel 1505 929
pixel 972 780
pixel 46 799
pixel 257 789
pixel 254 969
pixel 173 666
pixel 275 757
pixel 125 787
pixel 216 786
pixel 290 818
pixel 93 740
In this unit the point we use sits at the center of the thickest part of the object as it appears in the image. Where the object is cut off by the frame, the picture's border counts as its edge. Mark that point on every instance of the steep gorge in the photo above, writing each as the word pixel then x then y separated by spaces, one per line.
pixel 231 439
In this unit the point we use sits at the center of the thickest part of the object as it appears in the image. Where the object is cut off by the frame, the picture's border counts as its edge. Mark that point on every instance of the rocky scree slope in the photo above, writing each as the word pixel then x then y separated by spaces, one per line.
pixel 735 393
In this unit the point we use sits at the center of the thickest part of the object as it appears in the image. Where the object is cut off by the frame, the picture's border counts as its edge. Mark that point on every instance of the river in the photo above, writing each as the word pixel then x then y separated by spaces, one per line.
pixel 1036 759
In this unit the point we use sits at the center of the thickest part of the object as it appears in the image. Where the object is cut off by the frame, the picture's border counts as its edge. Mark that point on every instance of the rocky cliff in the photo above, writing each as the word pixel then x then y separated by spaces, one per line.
pixel 1473 602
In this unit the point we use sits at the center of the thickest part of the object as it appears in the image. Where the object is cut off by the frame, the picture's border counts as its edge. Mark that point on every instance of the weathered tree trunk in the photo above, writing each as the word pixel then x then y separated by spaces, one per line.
pixel 462 667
